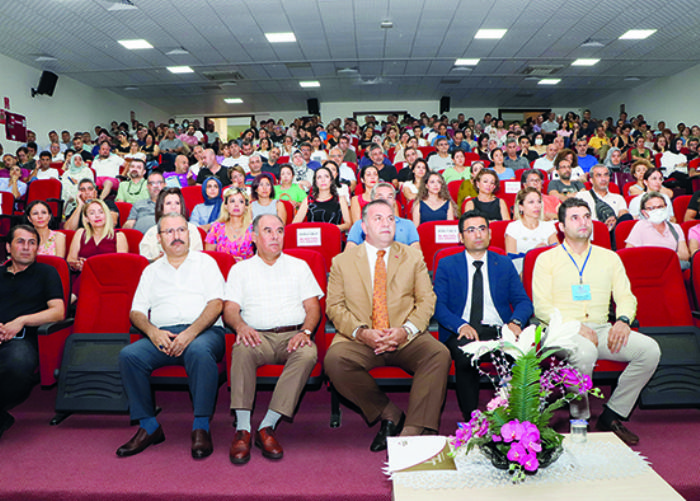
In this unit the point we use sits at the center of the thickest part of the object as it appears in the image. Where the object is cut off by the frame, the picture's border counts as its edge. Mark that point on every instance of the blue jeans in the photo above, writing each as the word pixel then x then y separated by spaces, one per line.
pixel 138 360
pixel 19 361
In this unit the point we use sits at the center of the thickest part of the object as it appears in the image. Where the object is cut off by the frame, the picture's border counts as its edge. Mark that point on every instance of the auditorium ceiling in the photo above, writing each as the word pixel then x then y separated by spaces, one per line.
pixel 356 50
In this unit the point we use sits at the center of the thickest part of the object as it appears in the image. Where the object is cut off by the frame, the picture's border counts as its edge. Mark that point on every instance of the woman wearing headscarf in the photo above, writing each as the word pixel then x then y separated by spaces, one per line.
pixel 77 171
pixel 206 213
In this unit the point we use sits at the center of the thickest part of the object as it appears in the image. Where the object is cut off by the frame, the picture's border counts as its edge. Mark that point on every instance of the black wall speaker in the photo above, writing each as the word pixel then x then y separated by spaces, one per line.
pixel 444 104
pixel 47 84
pixel 312 106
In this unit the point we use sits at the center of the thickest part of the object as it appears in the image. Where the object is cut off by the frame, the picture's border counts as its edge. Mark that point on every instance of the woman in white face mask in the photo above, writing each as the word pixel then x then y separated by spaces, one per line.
pixel 655 230
pixel 653 181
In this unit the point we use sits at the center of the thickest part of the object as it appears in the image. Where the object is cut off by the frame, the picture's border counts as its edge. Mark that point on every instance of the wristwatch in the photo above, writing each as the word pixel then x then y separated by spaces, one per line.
pixel 516 322
pixel 307 332
pixel 625 320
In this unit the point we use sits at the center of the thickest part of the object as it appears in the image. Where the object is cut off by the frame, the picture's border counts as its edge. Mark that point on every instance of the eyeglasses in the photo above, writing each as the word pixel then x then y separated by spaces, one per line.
pixel 156 183
pixel 172 231
pixel 474 229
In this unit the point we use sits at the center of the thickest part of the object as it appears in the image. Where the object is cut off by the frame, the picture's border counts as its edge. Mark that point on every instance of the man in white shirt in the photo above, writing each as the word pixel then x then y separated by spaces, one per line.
pixel 344 171
pixel 56 155
pixel 183 294
pixel 546 162
pixel 440 160
pixel 43 169
pixel 107 164
pixel 600 179
pixel 269 335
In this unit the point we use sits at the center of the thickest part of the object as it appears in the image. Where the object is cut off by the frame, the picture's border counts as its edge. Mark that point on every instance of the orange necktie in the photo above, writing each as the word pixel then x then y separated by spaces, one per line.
pixel 380 312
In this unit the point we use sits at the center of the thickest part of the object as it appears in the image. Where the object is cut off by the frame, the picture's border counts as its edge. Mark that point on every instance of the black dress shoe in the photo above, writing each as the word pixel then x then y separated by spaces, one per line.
pixel 140 442
pixel 201 444
pixel 388 429
pixel 620 430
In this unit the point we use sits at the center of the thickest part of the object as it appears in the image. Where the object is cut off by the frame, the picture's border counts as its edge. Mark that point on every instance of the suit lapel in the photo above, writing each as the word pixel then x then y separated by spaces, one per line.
pixel 363 271
pixel 394 261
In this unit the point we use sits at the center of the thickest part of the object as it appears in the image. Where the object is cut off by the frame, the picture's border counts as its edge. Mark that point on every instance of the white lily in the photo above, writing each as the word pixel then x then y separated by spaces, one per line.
pixel 558 334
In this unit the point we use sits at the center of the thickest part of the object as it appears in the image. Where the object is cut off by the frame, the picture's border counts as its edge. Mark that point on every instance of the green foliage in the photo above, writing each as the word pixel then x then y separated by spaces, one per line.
pixel 523 402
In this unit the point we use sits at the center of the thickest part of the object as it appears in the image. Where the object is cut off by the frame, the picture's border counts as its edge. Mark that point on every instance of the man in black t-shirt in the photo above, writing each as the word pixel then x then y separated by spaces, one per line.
pixel 32 295
pixel 386 172
pixel 87 191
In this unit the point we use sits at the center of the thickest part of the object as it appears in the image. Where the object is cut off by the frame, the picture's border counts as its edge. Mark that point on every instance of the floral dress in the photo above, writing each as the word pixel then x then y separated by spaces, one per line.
pixel 240 249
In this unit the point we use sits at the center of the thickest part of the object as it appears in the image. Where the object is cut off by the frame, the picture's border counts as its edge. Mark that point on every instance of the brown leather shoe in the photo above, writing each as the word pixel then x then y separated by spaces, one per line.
pixel 240 448
pixel 201 444
pixel 140 441
pixel 265 439
pixel 620 430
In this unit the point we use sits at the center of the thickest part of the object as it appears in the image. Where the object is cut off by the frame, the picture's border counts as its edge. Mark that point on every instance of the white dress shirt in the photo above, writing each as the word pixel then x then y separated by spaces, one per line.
pixel 491 316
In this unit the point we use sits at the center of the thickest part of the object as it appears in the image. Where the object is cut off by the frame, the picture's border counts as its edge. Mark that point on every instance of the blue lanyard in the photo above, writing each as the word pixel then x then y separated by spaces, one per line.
pixel 580 270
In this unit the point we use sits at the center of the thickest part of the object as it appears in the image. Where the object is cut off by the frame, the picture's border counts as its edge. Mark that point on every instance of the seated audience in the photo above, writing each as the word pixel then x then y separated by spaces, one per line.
pixel 43 169
pixel 324 205
pixel 107 167
pixel 529 230
pixel 655 230
pixel 641 152
pixel 466 189
pixel 570 157
pixel 343 186
pixel 487 185
pixel 135 188
pixel 51 243
pixel 73 212
pixel 288 189
pixel 303 174
pixel 32 295
pixel 143 212
pixel 504 173
pixel 564 187
pixel 169 201
pixel 191 334
pixel 369 176
pixel 263 194
pixel 458 171
pixel 638 169
pixel 13 184
pixel 96 237
pixel 613 160
pixel 535 179
pixel 410 188
pixel 653 182
pixel 232 232
pixel 606 206
pixel 406 232
pixel 433 201
pixel 75 170
pixel 207 212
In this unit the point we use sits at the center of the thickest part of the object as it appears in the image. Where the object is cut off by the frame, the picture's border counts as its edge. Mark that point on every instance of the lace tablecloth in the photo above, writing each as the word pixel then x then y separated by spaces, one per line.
pixel 593 460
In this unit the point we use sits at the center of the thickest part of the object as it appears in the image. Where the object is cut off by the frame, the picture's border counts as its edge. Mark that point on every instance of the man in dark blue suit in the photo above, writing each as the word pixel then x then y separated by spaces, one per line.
pixel 470 308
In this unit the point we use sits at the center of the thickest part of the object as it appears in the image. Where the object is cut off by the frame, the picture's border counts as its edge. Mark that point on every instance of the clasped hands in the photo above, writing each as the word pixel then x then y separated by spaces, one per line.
pixel 170 343
pixel 10 329
pixel 383 340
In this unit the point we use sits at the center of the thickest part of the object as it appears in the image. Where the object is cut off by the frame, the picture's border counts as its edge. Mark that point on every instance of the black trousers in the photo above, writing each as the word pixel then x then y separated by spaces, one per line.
pixel 19 361
pixel 467 375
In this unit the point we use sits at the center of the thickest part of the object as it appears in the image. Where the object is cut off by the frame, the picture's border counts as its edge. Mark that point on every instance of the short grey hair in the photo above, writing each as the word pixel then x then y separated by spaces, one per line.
pixel 168 215
pixel 511 140
pixel 365 209
pixel 256 222
pixel 648 196
pixel 383 184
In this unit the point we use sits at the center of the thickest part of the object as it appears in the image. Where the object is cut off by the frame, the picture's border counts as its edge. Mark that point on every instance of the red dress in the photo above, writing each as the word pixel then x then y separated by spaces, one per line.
pixel 88 249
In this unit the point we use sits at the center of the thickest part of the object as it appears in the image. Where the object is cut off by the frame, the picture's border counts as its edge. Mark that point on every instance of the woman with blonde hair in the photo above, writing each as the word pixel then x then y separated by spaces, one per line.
pixel 97 236
pixel 232 232
pixel 434 202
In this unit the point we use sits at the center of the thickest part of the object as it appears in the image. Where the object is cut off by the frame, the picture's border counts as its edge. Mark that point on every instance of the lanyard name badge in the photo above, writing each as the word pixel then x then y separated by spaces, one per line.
pixel 580 291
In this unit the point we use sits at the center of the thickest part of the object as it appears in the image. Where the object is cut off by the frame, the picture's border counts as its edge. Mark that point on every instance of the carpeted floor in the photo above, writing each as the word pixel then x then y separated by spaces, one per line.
pixel 76 460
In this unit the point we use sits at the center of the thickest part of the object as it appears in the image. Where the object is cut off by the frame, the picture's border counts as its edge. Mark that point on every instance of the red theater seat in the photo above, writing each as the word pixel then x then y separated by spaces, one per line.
pixel 325 238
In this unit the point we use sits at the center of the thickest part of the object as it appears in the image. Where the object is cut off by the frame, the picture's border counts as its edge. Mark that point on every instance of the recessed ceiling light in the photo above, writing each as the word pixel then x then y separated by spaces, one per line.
pixel 490 34
pixel 280 37
pixel 177 52
pixel 135 44
pixel 45 58
pixel 585 62
pixel 131 87
pixel 310 83
pixel 233 100
pixel 549 81
pixel 122 5
pixel 466 62
pixel 632 79
pixel 180 69
pixel 386 24
pixel 637 34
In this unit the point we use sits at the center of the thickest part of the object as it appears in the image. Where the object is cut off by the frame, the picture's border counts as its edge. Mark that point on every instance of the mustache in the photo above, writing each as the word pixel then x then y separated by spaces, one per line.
pixel 178 241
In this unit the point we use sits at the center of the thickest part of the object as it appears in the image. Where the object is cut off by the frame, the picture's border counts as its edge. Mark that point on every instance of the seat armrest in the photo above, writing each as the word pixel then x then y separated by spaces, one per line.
pixel 51 327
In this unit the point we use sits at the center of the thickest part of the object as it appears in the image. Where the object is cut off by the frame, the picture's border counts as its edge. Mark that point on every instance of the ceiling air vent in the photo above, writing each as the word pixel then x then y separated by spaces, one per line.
pixel 298 66
pixel 222 76
pixel 211 87
pixel 541 70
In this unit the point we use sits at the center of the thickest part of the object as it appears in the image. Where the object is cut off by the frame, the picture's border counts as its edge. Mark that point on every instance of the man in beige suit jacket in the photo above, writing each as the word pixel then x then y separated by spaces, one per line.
pixel 359 346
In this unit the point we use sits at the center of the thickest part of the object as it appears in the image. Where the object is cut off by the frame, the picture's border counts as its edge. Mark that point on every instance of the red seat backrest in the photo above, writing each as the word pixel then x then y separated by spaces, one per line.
pixel 498 233
pixel 224 260
pixel 133 238
pixel 44 189
pixel 325 238
pixel 69 238
pixel 622 231
pixel 680 205
pixel 662 299
pixel 601 235
pixel 453 188
pixel 193 196
pixel 686 226
pixel 124 211
pixel 289 206
pixel 7 203
pixel 434 236
pixel 529 266
pixel 61 267
pixel 107 286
